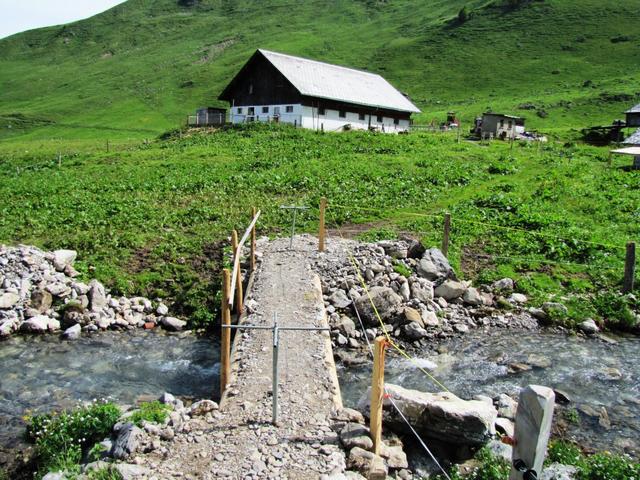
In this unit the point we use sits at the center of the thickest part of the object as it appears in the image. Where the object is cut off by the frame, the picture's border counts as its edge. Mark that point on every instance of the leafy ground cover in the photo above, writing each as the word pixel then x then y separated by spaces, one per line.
pixel 600 466
pixel 153 218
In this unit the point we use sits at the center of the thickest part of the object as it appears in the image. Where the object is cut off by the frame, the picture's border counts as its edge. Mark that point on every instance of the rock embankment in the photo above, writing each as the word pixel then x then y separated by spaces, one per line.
pixel 417 295
pixel 41 292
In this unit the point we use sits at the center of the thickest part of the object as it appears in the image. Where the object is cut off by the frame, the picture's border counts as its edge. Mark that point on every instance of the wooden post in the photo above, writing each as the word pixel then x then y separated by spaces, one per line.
pixel 532 430
pixel 321 233
pixel 238 285
pixel 253 241
pixel 445 237
pixel 629 268
pixel 377 393
pixel 59 159
pixel 107 145
pixel 225 347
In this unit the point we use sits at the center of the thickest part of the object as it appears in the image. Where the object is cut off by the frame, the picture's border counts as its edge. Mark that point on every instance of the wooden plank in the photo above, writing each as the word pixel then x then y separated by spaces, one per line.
pixel 629 268
pixel 237 274
pixel 236 255
pixel 445 237
pixel 321 233
pixel 253 241
pixel 225 347
pixel 377 394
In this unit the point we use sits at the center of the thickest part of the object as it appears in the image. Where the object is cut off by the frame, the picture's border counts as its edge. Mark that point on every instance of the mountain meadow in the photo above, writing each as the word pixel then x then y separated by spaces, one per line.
pixel 93 155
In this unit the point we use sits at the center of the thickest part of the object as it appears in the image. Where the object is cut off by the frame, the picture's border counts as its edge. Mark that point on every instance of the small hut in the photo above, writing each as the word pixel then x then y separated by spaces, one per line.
pixel 207 116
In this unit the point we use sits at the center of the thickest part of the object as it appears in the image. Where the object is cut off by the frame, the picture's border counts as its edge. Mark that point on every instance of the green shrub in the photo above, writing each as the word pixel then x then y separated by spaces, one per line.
pixel 490 468
pixel 105 473
pixel 616 310
pixel 154 412
pixel 564 452
pixel 60 437
pixel 607 466
pixel 402 269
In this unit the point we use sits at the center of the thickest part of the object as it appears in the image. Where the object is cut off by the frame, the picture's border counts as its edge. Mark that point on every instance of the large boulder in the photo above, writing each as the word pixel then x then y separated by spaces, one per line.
pixel 127 442
pixel 450 290
pixel 441 416
pixel 386 301
pixel 435 267
pixel 173 323
pixel 41 300
pixel 40 324
pixel 63 258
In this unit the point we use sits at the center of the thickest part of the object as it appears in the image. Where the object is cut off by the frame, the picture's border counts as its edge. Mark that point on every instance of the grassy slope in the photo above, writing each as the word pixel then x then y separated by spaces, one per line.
pixel 126 73
pixel 149 217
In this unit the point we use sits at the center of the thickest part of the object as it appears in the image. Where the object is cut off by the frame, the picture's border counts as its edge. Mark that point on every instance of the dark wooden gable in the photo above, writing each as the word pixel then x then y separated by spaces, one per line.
pixel 260 83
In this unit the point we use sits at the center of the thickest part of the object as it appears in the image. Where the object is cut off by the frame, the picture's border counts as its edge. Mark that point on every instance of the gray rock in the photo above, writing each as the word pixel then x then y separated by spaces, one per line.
pixel 368 464
pixel 339 299
pixel 73 333
pixel 505 426
pixel 503 285
pixel 355 435
pixel 507 406
pixel 346 326
pixel 348 415
pixel 169 399
pixel 589 326
pixel 8 300
pixel 130 471
pixel 414 331
pixel 450 290
pixel 434 266
pixel 472 297
pixel 500 450
pixel 558 471
pixel 172 323
pixel 385 300
pixel 55 476
pixel 405 292
pixel 441 416
pixel 40 324
pixel 62 258
pixel 430 319
pixel 555 309
pixel 127 441
pixel 422 290
pixel 394 456
pixel 97 296
pixel 202 407
pixel 517 299
pixel 162 309
pixel 59 290
pixel 412 315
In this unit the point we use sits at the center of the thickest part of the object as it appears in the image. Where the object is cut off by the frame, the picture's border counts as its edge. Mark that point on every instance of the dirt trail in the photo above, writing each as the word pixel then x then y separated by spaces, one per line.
pixel 241 443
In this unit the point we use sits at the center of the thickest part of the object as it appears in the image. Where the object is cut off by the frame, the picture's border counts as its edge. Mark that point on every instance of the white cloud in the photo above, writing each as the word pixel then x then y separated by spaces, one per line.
pixel 20 15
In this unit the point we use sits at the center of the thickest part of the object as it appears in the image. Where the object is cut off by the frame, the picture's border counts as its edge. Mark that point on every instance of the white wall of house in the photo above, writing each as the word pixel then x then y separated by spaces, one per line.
pixel 310 117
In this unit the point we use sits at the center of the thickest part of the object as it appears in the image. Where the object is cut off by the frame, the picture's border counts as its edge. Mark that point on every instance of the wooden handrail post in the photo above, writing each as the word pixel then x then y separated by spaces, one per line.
pixel 445 237
pixel 377 394
pixel 321 233
pixel 629 268
pixel 253 241
pixel 238 285
pixel 225 347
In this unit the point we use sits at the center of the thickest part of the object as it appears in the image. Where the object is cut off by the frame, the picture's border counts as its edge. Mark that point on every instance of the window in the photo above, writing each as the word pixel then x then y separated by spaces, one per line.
pixel 396 121
pixel 250 88
pixel 265 109
pixel 252 111
pixel 502 123
pixel 289 109
pixel 361 116
pixel 240 110
pixel 510 124
pixel 321 111
pixel 379 119
pixel 342 114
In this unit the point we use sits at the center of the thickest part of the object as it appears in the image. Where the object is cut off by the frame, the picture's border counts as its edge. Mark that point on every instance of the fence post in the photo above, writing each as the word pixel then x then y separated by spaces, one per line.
pixel 377 391
pixel 321 233
pixel 107 145
pixel 225 347
pixel 532 430
pixel 238 285
pixel 629 268
pixel 253 241
pixel 445 237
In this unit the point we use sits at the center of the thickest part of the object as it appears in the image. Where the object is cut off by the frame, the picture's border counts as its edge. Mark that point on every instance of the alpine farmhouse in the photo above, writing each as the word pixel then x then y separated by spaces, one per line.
pixel 274 87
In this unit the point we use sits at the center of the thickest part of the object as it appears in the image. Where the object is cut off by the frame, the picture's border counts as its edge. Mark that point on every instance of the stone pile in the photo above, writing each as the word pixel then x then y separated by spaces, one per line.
pixel 416 293
pixel 40 292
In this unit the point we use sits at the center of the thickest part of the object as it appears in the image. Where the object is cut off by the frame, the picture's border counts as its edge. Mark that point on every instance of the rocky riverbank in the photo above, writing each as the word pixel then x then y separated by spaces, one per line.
pixel 40 292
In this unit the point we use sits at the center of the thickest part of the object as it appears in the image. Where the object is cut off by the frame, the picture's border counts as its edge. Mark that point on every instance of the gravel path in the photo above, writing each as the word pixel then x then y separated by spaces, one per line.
pixel 242 443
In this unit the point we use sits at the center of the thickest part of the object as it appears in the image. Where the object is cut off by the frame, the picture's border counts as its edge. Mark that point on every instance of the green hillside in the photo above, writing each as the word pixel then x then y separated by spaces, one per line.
pixel 141 67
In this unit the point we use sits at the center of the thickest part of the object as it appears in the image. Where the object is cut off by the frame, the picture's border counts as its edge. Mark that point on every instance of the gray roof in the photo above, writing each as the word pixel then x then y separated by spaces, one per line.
pixel 635 109
pixel 324 80
pixel 633 139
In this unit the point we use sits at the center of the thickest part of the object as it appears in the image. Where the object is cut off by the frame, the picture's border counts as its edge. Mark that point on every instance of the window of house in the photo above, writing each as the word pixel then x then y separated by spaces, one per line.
pixel 396 121
pixel 321 111
pixel 252 111
pixel 239 109
pixel 379 119
pixel 265 109
pixel 361 116
pixel 250 88
pixel 502 123
pixel 289 108
pixel 509 124
pixel 342 114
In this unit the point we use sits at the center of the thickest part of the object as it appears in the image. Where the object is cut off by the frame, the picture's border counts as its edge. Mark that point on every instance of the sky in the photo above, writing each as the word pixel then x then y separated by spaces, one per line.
pixel 20 15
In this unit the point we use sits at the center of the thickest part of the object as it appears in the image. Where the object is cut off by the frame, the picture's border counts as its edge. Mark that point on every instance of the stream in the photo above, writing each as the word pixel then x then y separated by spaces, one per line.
pixel 41 373
pixel 593 373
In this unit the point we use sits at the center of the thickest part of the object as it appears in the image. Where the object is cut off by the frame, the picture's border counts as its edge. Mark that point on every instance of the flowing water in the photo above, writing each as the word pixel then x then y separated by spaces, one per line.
pixel 594 373
pixel 40 373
